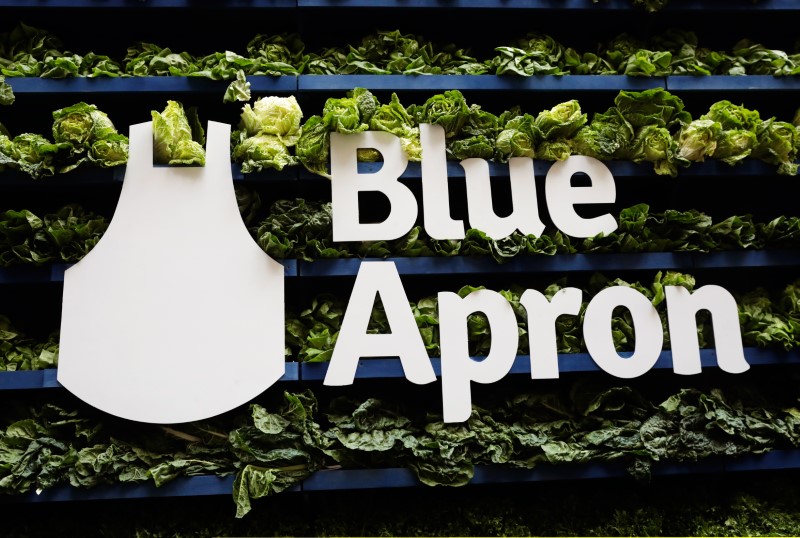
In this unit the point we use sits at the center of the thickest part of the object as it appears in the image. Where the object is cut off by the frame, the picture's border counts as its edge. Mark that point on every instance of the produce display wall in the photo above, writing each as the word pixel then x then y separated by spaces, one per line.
pixel 31 294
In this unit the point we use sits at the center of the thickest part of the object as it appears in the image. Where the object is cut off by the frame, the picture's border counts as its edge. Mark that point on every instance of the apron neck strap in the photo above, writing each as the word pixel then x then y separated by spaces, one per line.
pixel 140 149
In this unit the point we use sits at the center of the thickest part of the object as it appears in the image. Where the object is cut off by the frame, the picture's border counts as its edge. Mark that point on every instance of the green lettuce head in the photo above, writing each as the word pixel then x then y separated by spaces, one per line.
pixel 482 122
pixel 609 136
pixel 7 159
pixel 554 150
pixel 393 118
pixel 172 134
pixel 732 116
pixel 656 145
pixel 448 109
pixel 313 148
pixel 279 116
pixel 477 146
pixel 366 102
pixel 777 144
pixel 561 121
pixel 263 151
pixel 698 139
pixel 35 155
pixel 343 115
pixel 652 107
pixel 109 152
pixel 80 125
pixel 517 139
pixel 734 145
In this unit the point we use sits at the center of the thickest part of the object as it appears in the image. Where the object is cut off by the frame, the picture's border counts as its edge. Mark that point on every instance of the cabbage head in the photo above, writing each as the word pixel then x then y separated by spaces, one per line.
pixel 343 115
pixel 313 148
pixel 778 144
pixel 698 139
pixel 80 125
pixel 111 151
pixel 279 116
pixel 517 139
pixel 172 136
pixel 561 121
pixel 448 109
pixel 263 151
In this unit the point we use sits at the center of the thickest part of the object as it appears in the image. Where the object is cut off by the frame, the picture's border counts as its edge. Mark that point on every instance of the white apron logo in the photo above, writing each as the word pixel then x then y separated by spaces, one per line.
pixel 177 314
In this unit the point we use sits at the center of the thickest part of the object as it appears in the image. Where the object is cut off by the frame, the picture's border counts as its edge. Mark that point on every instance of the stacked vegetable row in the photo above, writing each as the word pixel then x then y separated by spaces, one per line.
pixel 278 444
pixel 766 318
pixel 26 51
pixel 650 126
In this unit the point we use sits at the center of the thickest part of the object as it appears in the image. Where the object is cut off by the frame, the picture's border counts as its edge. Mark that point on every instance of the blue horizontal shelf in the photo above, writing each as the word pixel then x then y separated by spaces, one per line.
pixel 167 84
pixel 496 169
pixel 436 83
pixel 559 263
pixel 150 4
pixel 90 175
pixel 424 83
pixel 391 368
pixel 189 486
pixel 718 83
pixel 46 379
pixel 43 274
pixel 393 478
pixel 345 479
pixel 558 5
pixel 573 5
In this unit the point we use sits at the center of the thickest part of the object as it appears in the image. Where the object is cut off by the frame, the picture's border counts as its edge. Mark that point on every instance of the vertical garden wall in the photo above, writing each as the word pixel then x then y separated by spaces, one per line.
pixel 691 106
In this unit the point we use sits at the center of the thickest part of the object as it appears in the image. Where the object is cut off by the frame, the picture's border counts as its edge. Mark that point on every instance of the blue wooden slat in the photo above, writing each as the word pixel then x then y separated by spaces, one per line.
pixel 292 372
pixel 25 274
pixel 22 380
pixel 718 83
pixel 519 264
pixel 489 474
pixel 715 169
pixel 568 5
pixel 391 368
pixel 149 4
pixel 390 478
pixel 154 84
pixel 773 460
pixel 47 379
pixel 496 169
pixel 547 473
pixel 192 486
pixel 515 83
pixel 360 479
pixel 747 258
pixel 472 4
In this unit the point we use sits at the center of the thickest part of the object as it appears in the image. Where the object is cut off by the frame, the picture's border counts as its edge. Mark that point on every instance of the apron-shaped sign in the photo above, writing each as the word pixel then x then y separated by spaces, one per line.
pixel 176 314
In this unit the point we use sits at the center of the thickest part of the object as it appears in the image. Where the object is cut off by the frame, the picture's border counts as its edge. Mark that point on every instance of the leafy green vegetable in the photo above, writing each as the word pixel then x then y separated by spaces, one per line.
pixel 172 137
pixel 448 109
pixel 6 92
pixel 238 90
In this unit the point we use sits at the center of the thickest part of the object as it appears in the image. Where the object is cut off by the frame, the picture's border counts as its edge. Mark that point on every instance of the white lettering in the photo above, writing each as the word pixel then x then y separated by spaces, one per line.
pixel 346 183
pixel 682 308
pixel 525 214
pixel 562 196
pixel 379 278
pixel 458 369
pixel 599 338
pixel 435 192
pixel 542 316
